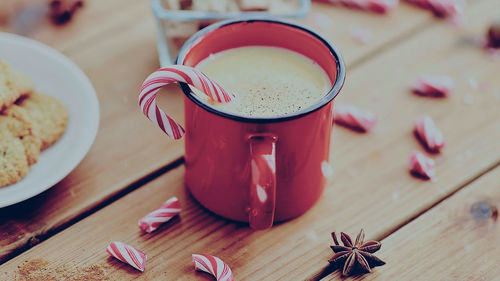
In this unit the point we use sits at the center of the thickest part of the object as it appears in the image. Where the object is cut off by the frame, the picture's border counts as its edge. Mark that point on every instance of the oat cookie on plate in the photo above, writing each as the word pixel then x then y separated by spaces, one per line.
pixel 13 85
pixel 19 145
pixel 49 114
pixel 22 126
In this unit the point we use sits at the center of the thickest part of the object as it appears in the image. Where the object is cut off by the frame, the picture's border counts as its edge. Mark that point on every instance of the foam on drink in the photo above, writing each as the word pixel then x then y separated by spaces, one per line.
pixel 268 81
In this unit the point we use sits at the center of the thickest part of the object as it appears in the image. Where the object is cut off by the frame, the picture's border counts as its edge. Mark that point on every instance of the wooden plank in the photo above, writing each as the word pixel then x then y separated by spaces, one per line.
pixel 94 22
pixel 117 50
pixel 339 24
pixel 120 155
pixel 101 19
pixel 450 242
pixel 380 200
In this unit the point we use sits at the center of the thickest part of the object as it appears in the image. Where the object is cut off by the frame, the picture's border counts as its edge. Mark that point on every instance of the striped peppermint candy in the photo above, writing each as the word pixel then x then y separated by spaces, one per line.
pixel 214 266
pixel 452 9
pixel 127 254
pixel 433 86
pixel 169 75
pixel 377 6
pixel 422 166
pixel 153 220
pixel 354 118
pixel 428 134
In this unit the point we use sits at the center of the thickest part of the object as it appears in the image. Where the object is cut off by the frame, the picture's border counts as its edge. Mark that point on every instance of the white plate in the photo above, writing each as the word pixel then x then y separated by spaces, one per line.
pixel 55 75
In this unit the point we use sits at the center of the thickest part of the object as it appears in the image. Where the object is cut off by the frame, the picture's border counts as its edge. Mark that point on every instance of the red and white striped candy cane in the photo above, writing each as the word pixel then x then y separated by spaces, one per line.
pixel 172 74
pixel 127 254
pixel 353 117
pixel 422 166
pixel 442 8
pixel 214 266
pixel 433 86
pixel 429 135
pixel 164 213
pixel 377 6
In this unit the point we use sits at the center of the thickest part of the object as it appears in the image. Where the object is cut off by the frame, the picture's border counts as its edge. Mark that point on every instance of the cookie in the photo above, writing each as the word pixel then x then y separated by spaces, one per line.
pixel 50 116
pixel 22 126
pixel 13 85
pixel 14 163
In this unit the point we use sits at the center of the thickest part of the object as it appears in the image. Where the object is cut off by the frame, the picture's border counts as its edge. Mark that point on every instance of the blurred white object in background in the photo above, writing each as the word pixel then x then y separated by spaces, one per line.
pixel 177 20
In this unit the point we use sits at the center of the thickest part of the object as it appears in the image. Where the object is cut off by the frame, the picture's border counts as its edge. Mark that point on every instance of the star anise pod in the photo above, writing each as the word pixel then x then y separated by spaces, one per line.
pixel 356 256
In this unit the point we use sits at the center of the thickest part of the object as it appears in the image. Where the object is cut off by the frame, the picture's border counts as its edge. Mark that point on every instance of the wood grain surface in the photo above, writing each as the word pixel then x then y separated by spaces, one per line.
pixel 456 240
pixel 118 158
pixel 371 187
pixel 114 42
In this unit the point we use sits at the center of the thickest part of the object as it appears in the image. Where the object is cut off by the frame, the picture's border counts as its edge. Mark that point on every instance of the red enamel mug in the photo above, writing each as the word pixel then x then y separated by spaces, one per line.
pixel 256 170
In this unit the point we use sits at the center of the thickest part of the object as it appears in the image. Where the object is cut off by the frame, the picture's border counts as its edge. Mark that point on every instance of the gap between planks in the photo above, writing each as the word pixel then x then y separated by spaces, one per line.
pixel 450 242
pixel 164 169
pixel 327 270
pixel 37 239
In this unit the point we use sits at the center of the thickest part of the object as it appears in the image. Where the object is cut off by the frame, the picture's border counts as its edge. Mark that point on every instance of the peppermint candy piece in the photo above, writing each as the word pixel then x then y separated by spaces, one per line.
pixel 452 9
pixel 422 166
pixel 433 86
pixel 376 6
pixel 354 118
pixel 153 220
pixel 213 265
pixel 428 134
pixel 127 254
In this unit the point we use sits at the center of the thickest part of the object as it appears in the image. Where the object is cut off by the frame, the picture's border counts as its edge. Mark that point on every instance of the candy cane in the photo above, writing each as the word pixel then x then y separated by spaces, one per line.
pixel 169 75
pixel 442 8
pixel 214 266
pixel 433 86
pixel 354 118
pixel 428 134
pixel 127 254
pixel 164 213
pixel 377 6
pixel 422 166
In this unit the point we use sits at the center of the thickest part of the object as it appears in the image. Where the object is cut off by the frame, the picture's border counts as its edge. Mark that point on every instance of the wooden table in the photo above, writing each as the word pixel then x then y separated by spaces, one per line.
pixel 427 229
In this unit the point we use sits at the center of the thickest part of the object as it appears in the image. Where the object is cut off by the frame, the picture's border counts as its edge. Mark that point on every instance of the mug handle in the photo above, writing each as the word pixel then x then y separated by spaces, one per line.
pixel 263 181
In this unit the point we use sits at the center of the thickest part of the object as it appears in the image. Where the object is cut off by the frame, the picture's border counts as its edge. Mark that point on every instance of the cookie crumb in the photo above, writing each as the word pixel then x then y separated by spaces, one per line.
pixel 360 35
pixel 31 266
pixel 468 99
pixel 39 269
